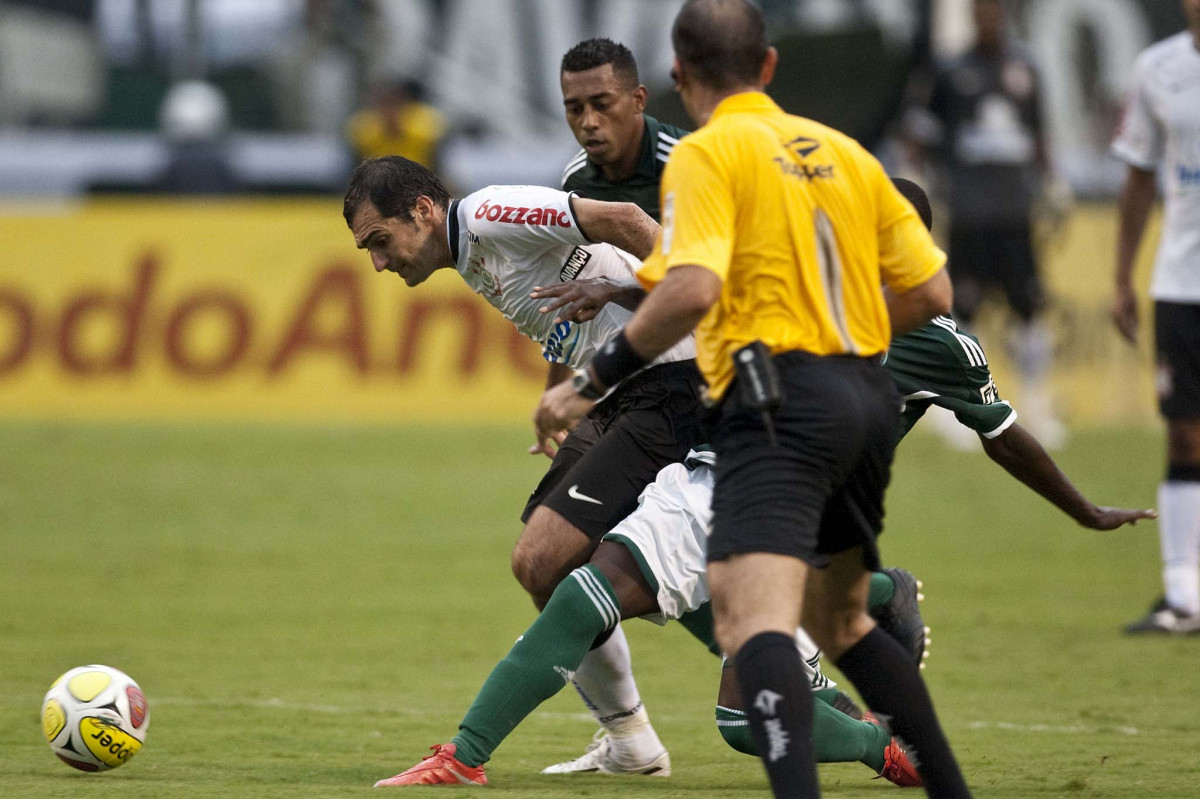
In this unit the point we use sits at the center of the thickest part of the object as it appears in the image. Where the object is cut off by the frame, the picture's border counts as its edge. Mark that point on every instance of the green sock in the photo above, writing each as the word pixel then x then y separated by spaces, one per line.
pixel 837 738
pixel 540 663
pixel 699 623
pixel 881 591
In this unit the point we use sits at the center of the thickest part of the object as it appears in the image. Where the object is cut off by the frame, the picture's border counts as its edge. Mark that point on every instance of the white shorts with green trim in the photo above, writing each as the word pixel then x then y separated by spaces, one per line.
pixel 668 536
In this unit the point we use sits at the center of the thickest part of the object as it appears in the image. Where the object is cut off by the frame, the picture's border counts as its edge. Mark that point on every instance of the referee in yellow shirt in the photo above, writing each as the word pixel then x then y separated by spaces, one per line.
pixel 777 234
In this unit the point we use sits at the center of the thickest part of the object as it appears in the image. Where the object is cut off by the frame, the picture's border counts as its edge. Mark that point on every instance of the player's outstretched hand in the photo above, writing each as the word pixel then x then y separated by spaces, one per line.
pixel 561 407
pixel 1112 518
pixel 579 300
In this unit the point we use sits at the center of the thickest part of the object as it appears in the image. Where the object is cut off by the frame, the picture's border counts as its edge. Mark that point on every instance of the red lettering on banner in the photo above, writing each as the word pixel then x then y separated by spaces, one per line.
pixel 470 317
pixel 237 317
pixel 128 311
pixel 21 311
pixel 341 285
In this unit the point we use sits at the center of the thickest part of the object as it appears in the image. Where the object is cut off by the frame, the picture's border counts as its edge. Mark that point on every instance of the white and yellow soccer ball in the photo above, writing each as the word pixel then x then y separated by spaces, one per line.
pixel 95 718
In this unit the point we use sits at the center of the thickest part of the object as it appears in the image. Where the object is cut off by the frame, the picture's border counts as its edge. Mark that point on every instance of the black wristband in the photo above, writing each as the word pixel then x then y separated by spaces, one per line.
pixel 616 361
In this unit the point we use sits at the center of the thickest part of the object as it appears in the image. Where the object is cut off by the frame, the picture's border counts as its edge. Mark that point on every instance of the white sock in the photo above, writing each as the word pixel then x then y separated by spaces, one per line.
pixel 1179 533
pixel 605 681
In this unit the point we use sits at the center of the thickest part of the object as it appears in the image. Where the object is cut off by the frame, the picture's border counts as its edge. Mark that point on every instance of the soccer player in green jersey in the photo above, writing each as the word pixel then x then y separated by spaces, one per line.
pixel 624 149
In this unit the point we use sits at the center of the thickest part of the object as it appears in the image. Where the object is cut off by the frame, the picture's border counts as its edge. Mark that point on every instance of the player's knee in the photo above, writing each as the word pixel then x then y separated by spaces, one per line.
pixel 534 571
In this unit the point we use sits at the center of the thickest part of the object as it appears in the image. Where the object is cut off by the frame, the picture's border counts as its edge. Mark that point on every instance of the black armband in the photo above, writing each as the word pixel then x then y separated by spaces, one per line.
pixel 616 361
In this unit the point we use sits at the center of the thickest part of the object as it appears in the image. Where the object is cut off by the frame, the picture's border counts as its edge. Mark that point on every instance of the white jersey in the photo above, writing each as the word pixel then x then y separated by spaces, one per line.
pixel 1161 131
pixel 506 240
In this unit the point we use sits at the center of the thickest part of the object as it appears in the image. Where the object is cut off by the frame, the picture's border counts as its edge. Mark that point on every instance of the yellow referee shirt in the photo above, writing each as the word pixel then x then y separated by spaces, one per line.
pixel 801 224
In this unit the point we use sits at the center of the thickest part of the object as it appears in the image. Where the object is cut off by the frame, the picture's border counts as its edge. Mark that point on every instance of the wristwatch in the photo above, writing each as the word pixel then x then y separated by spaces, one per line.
pixel 581 381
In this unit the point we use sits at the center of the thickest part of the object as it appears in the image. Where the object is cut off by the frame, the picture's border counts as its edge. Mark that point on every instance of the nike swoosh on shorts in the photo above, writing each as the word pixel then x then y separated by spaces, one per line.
pixel 573 493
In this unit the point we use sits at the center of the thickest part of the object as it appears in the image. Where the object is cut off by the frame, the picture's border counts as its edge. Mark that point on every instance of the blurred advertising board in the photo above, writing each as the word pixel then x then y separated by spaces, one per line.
pixel 240 310
pixel 264 310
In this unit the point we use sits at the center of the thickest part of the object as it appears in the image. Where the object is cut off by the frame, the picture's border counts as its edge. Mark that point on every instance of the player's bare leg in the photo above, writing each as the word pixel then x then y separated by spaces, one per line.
pixel 884 673
pixel 1178 612
pixel 548 549
pixel 757 599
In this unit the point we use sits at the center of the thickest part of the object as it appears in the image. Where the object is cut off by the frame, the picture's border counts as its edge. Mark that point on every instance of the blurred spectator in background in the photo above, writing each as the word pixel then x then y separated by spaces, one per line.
pixel 980 119
pixel 317 70
pixel 398 122
pixel 194 118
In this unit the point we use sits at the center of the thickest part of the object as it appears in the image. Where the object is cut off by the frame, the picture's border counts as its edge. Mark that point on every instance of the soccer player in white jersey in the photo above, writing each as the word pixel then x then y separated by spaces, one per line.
pixel 504 241
pixel 1160 133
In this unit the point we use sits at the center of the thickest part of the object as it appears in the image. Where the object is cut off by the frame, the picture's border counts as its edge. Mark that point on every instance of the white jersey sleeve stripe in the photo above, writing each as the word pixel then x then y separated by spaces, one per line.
pixel 663 137
pixel 974 351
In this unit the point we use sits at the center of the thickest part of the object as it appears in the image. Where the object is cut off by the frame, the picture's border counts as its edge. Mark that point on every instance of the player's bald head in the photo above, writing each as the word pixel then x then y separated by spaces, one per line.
pixel 722 42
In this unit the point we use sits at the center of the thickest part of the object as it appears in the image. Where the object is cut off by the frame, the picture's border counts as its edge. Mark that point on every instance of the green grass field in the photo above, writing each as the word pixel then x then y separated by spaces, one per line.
pixel 308 610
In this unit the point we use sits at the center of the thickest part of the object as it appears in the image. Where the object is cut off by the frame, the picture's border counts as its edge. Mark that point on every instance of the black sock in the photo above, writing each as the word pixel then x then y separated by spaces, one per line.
pixel 885 675
pixel 778 702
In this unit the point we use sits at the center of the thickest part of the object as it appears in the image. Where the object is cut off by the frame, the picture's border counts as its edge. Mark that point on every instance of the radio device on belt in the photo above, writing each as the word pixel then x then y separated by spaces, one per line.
pixel 759 383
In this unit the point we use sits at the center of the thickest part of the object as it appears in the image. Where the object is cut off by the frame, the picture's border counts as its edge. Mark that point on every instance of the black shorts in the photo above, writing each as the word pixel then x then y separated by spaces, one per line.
pixel 1177 349
pixel 981 258
pixel 820 491
pixel 619 448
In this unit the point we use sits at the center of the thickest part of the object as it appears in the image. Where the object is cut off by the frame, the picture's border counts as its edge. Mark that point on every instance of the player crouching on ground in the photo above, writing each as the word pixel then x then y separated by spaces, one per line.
pixel 652 565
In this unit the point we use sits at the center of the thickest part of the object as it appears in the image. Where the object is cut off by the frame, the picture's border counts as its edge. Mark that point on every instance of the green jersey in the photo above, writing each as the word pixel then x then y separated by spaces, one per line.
pixel 641 188
pixel 938 364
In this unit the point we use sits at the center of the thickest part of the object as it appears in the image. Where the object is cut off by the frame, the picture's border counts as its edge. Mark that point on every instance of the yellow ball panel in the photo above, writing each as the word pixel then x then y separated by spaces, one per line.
pixel 111 745
pixel 87 686
pixel 53 720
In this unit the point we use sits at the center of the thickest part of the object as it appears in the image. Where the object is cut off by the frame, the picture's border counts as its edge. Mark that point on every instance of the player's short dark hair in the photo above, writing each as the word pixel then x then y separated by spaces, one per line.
pixel 917 197
pixel 392 184
pixel 723 42
pixel 592 53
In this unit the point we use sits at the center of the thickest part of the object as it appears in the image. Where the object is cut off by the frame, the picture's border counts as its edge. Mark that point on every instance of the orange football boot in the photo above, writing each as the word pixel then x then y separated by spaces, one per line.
pixel 440 768
pixel 897 768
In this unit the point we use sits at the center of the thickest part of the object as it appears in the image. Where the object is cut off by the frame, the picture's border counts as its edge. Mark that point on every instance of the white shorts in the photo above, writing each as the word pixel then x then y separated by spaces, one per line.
pixel 668 536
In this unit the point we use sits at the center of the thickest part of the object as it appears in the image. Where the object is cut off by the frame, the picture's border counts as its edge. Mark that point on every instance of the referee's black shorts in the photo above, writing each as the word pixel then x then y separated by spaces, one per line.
pixel 820 491
pixel 1177 350
pixel 650 421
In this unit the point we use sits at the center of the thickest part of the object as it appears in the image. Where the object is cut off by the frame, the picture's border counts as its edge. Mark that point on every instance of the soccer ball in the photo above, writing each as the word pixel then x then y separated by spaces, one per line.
pixel 95 718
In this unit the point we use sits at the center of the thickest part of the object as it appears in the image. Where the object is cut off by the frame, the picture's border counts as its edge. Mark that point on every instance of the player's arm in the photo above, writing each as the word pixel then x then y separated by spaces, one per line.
pixel 580 300
pixel 1136 200
pixel 557 373
pixel 668 314
pixel 918 305
pixel 1025 459
pixel 622 225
